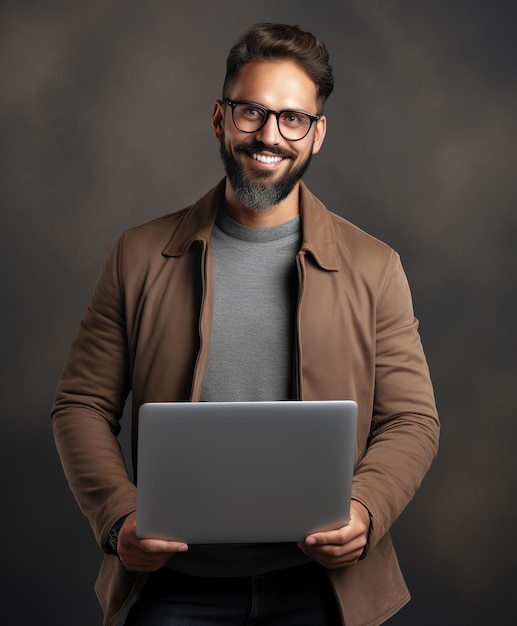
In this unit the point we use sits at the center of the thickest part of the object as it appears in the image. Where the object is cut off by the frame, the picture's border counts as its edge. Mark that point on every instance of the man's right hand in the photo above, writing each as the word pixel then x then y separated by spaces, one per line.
pixel 144 555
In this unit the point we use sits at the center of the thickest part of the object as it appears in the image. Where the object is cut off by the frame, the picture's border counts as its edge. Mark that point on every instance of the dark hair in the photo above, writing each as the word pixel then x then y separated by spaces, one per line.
pixel 267 42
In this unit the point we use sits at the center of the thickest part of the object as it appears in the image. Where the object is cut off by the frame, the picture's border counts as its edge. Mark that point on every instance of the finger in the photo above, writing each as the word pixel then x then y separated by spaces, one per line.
pixel 148 555
pixel 161 546
pixel 333 560
pixel 136 558
pixel 348 550
pixel 135 563
pixel 332 537
pixel 332 553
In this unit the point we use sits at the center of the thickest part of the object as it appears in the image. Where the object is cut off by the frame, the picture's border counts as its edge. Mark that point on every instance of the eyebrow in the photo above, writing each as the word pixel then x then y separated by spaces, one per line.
pixel 263 106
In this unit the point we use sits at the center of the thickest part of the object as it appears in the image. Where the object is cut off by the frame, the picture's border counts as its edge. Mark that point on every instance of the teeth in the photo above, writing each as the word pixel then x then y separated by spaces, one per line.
pixel 267 159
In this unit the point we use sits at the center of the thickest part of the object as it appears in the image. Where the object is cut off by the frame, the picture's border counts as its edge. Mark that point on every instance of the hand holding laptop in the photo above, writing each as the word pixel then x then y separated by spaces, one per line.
pixel 341 547
pixel 332 549
pixel 144 555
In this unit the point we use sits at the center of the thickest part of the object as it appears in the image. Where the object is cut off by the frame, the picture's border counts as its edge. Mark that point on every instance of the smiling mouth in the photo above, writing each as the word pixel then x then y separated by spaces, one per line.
pixel 262 158
pixel 267 155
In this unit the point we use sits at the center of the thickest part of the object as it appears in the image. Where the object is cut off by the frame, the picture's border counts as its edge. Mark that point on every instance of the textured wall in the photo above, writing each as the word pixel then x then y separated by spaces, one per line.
pixel 105 123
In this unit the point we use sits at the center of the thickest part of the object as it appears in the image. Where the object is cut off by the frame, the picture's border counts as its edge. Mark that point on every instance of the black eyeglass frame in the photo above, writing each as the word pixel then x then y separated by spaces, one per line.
pixel 267 112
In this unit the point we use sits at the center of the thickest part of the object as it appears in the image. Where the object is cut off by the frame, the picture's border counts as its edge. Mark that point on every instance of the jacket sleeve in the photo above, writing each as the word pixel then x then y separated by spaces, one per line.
pixel 405 427
pixel 88 405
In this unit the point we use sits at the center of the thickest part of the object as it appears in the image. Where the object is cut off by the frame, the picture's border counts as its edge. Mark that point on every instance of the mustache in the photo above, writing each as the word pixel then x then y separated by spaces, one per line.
pixel 258 146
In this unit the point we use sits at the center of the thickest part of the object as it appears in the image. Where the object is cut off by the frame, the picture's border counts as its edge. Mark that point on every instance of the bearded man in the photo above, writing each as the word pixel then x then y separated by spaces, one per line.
pixel 256 292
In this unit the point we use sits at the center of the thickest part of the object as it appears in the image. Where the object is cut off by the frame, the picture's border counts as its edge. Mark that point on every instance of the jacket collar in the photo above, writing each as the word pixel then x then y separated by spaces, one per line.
pixel 319 238
pixel 318 234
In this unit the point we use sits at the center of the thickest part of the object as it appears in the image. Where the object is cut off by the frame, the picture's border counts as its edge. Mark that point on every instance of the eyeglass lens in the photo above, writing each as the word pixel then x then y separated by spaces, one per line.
pixel 250 118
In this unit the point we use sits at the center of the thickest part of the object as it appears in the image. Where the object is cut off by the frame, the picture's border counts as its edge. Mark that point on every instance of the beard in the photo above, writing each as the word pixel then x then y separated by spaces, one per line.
pixel 257 192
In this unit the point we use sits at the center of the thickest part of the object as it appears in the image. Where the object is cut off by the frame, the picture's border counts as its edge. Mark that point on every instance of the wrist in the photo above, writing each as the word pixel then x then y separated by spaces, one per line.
pixel 111 545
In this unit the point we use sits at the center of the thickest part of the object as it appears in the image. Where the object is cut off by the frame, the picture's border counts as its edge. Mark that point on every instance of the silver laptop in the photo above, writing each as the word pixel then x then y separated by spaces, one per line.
pixel 244 472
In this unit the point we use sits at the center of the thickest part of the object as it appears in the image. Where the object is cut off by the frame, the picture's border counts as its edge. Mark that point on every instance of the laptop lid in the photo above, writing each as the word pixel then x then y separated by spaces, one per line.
pixel 252 472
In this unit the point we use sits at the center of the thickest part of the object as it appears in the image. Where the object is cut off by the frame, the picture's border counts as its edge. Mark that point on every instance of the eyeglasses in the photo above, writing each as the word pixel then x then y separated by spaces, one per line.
pixel 249 117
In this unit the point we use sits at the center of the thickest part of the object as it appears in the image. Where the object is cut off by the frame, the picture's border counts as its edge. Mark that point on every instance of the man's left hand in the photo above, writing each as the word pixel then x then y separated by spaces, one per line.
pixel 341 547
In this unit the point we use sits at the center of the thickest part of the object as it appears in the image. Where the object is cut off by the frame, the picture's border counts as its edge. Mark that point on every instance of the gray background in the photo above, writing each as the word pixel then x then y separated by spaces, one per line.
pixel 105 123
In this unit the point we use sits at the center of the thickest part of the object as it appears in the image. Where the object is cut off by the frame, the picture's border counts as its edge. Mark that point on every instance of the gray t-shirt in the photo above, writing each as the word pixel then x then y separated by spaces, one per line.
pixel 251 350
pixel 249 359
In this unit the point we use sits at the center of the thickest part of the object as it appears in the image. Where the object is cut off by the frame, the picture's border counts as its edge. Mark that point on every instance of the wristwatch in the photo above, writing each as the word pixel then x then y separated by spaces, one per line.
pixel 111 545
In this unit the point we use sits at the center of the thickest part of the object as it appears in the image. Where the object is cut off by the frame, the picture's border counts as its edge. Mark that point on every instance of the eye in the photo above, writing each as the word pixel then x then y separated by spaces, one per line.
pixel 250 111
pixel 294 119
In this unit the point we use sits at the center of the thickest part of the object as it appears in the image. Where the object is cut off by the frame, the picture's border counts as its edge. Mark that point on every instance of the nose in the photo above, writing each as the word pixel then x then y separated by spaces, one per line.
pixel 269 134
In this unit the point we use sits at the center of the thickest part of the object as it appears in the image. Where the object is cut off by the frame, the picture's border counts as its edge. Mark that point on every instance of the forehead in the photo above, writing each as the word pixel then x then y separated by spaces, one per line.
pixel 276 85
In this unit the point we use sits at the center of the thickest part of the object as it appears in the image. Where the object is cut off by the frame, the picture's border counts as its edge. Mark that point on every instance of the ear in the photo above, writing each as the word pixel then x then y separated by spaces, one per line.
pixel 218 119
pixel 319 134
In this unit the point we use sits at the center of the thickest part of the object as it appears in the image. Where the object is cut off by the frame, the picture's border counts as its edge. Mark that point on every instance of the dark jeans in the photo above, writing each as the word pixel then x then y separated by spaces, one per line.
pixel 298 596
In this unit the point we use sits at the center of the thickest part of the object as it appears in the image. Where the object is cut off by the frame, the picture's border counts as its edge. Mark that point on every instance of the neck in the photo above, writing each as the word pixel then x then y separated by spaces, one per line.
pixel 280 213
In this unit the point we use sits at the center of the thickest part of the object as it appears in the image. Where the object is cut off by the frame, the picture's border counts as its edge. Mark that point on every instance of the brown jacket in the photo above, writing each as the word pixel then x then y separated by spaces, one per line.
pixel 147 331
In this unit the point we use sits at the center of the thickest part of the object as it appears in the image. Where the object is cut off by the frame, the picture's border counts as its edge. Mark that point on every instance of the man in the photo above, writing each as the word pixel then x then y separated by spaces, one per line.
pixel 256 292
